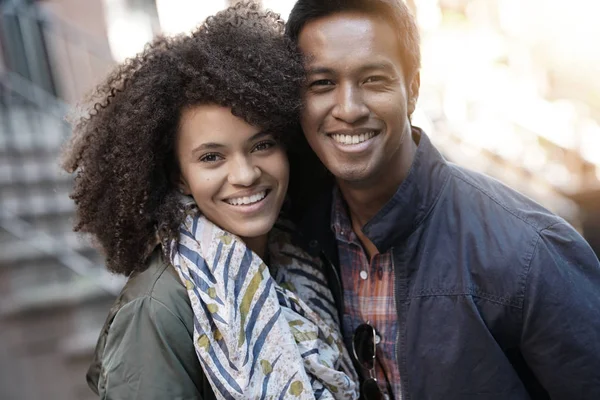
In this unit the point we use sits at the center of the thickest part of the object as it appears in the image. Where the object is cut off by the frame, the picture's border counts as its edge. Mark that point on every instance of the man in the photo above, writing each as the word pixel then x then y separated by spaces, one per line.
pixel 473 290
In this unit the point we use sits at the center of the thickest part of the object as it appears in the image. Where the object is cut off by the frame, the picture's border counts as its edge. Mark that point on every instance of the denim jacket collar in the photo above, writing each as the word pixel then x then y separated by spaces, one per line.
pixel 414 199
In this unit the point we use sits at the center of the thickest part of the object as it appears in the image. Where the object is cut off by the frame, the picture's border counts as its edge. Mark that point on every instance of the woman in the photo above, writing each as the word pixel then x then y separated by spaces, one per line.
pixel 181 173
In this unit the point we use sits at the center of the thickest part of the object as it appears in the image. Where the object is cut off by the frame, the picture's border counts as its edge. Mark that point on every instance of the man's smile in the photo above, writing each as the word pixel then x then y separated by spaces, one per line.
pixel 353 141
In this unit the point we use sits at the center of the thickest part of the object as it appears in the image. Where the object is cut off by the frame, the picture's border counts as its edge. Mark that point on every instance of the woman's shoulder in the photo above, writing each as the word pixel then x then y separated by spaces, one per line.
pixel 152 311
pixel 158 281
pixel 156 289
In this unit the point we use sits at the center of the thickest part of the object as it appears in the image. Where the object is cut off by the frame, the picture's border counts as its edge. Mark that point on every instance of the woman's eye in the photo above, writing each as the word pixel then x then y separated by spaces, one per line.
pixel 267 144
pixel 321 83
pixel 212 157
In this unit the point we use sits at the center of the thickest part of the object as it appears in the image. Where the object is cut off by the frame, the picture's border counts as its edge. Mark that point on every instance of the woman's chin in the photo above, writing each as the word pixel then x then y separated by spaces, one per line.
pixel 252 229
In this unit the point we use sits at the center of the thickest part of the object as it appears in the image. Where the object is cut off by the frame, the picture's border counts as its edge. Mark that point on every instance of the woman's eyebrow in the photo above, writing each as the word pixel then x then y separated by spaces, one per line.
pixel 208 146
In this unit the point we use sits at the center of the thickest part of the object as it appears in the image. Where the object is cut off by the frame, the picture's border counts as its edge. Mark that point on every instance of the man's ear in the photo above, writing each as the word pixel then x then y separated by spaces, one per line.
pixel 413 93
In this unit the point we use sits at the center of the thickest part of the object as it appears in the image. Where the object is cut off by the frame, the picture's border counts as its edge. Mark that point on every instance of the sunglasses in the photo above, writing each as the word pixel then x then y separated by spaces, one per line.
pixel 364 349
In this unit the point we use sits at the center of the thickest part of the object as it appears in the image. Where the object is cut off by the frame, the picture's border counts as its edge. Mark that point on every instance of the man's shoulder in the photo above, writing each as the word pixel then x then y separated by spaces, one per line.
pixel 501 229
pixel 487 197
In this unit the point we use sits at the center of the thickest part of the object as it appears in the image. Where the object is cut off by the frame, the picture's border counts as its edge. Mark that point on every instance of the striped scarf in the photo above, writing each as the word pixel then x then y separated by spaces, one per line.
pixel 261 332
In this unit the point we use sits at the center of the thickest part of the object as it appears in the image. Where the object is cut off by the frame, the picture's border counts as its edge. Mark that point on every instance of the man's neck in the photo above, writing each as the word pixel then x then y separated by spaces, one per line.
pixel 257 244
pixel 365 199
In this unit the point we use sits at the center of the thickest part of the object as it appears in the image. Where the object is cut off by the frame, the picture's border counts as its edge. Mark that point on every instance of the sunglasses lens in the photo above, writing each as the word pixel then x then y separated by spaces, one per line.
pixel 371 390
pixel 364 345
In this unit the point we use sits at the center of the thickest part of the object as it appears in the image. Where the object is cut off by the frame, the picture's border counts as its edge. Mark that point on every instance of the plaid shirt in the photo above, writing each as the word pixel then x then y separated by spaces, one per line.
pixel 368 296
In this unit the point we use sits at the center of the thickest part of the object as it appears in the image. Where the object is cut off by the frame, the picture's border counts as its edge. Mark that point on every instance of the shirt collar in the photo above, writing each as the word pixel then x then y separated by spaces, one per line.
pixel 341 225
pixel 408 207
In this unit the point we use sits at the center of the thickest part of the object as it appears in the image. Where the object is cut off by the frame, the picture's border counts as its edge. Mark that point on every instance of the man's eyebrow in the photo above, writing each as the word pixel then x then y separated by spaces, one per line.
pixel 258 135
pixel 383 65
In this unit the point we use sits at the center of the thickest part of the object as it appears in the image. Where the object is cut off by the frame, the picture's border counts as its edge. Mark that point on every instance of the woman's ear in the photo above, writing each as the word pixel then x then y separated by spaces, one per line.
pixel 177 179
pixel 183 187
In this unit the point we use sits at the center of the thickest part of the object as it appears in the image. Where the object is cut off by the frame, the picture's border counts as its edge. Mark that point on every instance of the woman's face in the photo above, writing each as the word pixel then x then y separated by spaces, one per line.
pixel 237 174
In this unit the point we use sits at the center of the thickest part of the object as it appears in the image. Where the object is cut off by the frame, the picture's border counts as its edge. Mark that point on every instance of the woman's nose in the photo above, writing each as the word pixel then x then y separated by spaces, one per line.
pixel 243 172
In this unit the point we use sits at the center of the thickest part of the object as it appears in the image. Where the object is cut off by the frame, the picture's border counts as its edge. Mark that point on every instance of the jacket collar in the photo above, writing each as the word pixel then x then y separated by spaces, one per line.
pixel 413 200
pixel 315 227
pixel 401 215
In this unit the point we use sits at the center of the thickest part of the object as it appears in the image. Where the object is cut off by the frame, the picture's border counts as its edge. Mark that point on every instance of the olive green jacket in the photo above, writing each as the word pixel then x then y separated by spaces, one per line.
pixel 146 350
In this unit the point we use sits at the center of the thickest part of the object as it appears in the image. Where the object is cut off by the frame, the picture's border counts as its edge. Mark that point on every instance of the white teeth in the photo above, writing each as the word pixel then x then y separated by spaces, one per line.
pixel 244 201
pixel 353 139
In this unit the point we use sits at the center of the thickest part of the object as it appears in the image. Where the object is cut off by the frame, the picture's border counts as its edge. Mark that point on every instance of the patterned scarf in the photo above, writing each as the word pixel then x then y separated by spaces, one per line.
pixel 261 332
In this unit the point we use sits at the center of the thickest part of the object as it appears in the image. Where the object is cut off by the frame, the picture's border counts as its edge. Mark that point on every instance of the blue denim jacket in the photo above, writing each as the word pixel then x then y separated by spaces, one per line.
pixel 497 298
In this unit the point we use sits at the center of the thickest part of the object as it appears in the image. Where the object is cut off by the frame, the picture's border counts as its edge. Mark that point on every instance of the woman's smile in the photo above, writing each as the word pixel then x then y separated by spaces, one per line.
pixel 236 173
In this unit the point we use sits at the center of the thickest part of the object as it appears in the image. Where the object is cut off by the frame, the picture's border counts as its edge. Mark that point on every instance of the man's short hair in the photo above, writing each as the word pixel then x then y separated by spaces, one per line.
pixel 394 11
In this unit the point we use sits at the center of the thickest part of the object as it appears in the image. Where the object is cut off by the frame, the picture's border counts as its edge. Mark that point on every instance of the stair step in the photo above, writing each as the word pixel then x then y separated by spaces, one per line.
pixel 15 252
pixel 60 263
pixel 34 203
pixel 14 191
pixel 31 169
pixel 34 273
pixel 25 129
pixel 55 295
pixel 54 224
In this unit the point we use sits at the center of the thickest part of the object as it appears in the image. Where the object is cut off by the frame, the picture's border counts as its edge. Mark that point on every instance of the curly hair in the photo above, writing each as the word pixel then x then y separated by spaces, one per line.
pixel 122 150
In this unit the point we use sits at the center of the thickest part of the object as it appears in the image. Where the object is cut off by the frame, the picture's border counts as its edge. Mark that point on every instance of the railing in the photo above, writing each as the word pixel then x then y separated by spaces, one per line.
pixel 45 61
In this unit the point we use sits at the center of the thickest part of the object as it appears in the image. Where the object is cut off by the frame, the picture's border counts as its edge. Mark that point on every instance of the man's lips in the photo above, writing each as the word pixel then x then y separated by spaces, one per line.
pixel 352 137
pixel 355 138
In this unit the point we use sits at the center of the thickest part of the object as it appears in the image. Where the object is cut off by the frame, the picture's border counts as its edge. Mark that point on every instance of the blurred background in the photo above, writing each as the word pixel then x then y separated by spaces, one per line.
pixel 510 88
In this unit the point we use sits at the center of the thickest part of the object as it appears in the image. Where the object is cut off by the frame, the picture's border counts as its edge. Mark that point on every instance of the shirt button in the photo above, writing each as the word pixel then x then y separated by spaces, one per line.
pixel 364 275
pixel 377 339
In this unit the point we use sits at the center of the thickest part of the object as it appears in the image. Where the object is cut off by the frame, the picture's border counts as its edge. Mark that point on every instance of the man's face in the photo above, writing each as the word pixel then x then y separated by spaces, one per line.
pixel 357 101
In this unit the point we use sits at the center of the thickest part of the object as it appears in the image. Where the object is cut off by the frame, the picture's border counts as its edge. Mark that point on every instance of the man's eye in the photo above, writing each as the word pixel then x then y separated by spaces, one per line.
pixel 373 79
pixel 211 157
pixel 264 145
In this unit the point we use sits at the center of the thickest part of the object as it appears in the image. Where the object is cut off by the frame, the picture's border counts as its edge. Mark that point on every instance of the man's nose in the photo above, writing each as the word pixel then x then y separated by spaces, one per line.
pixel 350 106
pixel 243 172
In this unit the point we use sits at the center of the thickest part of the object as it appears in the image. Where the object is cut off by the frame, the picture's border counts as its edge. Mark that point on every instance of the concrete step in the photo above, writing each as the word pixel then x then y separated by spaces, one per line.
pixel 32 274
pixel 61 268
pixel 25 129
pixel 55 295
pixel 54 346
pixel 32 168
pixel 13 253
pixel 51 254
pixel 54 224
pixel 35 202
